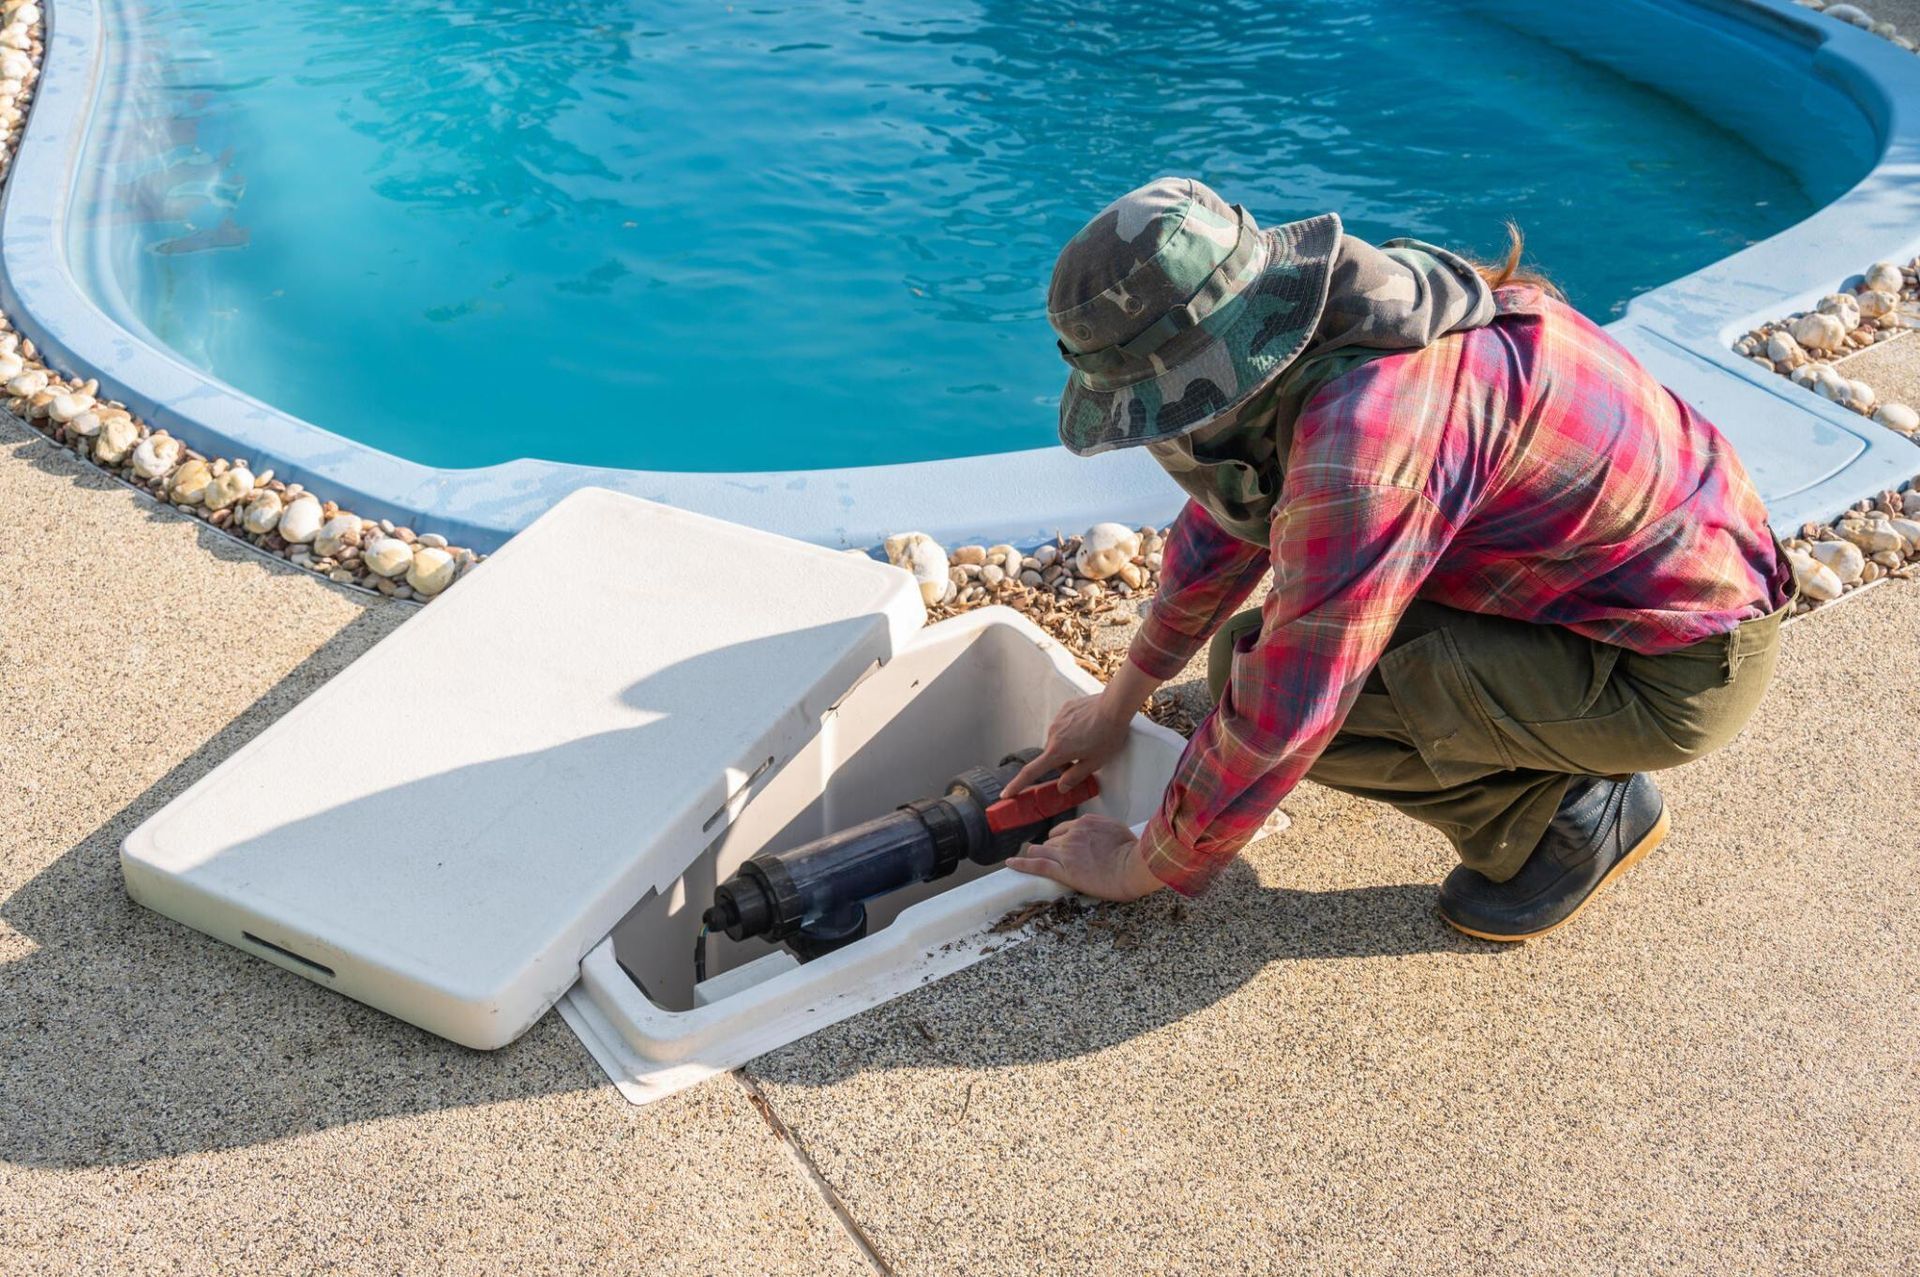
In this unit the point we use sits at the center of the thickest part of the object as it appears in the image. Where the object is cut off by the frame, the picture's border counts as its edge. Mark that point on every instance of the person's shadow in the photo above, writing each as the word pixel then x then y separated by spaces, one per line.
pixel 125 1036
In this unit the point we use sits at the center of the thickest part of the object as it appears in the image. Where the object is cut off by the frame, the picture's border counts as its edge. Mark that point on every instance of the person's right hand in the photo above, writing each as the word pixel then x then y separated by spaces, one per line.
pixel 1084 737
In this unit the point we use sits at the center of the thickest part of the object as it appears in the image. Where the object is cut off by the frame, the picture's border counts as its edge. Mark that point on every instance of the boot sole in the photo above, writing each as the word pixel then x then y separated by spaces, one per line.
pixel 1654 837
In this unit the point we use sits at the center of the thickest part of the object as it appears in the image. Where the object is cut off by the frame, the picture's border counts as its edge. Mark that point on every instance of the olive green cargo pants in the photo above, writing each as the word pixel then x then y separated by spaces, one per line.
pixel 1473 724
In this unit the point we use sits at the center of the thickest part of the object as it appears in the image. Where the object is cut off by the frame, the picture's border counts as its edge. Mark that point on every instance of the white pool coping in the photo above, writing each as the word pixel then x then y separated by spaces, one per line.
pixel 1809 458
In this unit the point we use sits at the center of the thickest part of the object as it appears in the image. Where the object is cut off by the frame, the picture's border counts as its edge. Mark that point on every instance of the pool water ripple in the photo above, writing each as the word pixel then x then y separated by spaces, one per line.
pixel 806 234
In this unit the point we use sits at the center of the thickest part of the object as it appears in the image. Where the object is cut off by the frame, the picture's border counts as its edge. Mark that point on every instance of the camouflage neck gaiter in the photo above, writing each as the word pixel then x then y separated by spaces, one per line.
pixel 1381 301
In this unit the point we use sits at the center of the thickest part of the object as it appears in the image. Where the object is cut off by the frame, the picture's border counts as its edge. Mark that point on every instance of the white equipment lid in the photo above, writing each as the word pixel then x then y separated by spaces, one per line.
pixel 447 827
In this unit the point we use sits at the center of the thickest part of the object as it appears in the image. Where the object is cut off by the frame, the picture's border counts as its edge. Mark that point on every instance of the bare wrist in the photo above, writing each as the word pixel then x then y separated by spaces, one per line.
pixel 1141 877
pixel 1115 709
pixel 1122 697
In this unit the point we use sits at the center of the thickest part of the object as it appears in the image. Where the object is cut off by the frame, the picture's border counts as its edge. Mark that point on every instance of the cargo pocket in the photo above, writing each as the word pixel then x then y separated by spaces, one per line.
pixel 1443 710
pixel 1757 637
pixel 1605 657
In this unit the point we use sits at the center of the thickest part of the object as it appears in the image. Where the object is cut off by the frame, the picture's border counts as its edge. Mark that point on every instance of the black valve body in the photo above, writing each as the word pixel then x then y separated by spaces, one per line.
pixel 813 897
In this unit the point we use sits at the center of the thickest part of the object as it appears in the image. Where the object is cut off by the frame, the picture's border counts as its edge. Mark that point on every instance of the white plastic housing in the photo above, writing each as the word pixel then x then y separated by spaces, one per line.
pixel 964 692
pixel 447 827
pixel 537 783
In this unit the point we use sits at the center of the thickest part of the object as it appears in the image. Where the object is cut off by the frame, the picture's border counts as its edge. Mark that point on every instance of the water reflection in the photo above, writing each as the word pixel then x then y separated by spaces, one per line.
pixel 814 232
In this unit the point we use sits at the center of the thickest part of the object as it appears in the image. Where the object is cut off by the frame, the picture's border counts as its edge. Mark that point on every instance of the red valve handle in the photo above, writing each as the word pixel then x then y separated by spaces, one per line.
pixel 1037 802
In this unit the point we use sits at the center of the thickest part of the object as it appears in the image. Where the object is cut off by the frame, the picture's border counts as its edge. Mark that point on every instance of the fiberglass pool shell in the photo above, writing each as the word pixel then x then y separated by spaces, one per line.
pixel 1742 63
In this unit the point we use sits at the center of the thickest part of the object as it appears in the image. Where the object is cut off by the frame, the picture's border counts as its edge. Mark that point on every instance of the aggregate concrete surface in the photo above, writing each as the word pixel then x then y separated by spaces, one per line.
pixel 1716 1068
pixel 1892 368
pixel 1904 14
pixel 168 1104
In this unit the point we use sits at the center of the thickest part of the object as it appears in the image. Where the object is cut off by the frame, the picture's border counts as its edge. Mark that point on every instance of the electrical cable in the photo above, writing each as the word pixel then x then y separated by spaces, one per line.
pixel 700 956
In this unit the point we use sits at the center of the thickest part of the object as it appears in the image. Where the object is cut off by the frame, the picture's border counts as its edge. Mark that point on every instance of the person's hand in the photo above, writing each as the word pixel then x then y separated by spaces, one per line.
pixel 1084 737
pixel 1094 855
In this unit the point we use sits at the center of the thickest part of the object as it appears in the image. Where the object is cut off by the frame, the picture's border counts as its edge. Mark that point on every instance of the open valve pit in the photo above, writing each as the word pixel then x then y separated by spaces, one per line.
pixel 585 768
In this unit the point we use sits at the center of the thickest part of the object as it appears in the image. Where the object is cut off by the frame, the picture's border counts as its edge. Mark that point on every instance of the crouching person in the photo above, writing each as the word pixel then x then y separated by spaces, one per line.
pixel 1511 573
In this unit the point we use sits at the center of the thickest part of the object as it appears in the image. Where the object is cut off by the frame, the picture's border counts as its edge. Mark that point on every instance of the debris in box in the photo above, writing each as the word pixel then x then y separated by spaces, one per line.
pixel 1047 914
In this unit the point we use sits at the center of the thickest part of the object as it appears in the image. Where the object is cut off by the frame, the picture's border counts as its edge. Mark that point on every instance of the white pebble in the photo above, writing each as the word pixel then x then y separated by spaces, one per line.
pixel 262 514
pixel 1908 531
pixel 1844 307
pixel 65 408
pixel 117 439
pixel 1883 277
pixel 1105 549
pixel 1829 384
pixel 388 556
pixel 301 522
pixel 228 488
pixel 1842 558
pixel 1870 536
pixel 1815 579
pixel 157 455
pixel 1818 332
pixel 1897 416
pixel 1874 303
pixel 28 383
pixel 921 555
pixel 431 570
pixel 339 532
pixel 190 482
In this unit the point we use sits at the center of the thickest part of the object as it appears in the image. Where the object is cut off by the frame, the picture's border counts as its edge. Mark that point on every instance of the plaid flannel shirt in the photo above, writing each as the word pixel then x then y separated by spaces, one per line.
pixel 1528 469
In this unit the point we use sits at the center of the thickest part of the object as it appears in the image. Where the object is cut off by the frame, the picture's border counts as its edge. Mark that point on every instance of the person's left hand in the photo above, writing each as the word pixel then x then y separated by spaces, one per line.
pixel 1095 855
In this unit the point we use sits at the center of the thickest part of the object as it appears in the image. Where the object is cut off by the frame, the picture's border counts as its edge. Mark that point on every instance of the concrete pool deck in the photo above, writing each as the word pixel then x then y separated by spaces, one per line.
pixel 1715 1071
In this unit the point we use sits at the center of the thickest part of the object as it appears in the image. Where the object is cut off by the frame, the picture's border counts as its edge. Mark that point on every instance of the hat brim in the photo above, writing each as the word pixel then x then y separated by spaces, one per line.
pixel 1249 341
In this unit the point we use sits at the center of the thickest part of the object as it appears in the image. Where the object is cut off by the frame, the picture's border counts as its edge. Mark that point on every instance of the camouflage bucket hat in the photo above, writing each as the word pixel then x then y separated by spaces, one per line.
pixel 1172 307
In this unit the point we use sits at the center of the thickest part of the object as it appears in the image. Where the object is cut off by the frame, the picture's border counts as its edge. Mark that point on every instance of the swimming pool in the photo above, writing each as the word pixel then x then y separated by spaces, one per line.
pixel 809 233
pixel 496 252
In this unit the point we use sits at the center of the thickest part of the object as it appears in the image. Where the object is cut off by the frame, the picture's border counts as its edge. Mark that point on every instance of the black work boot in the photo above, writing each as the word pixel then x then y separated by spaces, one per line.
pixel 1602 828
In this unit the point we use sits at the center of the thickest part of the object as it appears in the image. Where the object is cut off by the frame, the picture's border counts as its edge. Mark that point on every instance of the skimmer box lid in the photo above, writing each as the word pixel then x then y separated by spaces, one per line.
pixel 450 824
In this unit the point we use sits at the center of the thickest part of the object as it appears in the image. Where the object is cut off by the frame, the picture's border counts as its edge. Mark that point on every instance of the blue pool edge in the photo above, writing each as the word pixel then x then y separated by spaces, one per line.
pixel 1682 331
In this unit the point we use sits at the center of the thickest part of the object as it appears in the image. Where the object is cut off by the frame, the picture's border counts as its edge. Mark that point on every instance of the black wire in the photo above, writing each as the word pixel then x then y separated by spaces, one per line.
pixel 700 957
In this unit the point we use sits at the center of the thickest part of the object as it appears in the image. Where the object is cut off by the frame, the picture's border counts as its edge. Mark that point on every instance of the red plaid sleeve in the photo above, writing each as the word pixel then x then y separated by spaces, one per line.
pixel 1205 573
pixel 1347 561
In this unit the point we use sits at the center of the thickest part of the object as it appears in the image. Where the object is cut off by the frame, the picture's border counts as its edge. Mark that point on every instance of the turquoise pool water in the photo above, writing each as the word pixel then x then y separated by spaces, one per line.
pixel 797 235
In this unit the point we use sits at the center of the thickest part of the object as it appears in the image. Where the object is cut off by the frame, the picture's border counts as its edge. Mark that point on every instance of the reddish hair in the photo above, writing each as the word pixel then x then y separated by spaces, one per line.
pixel 1508 272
